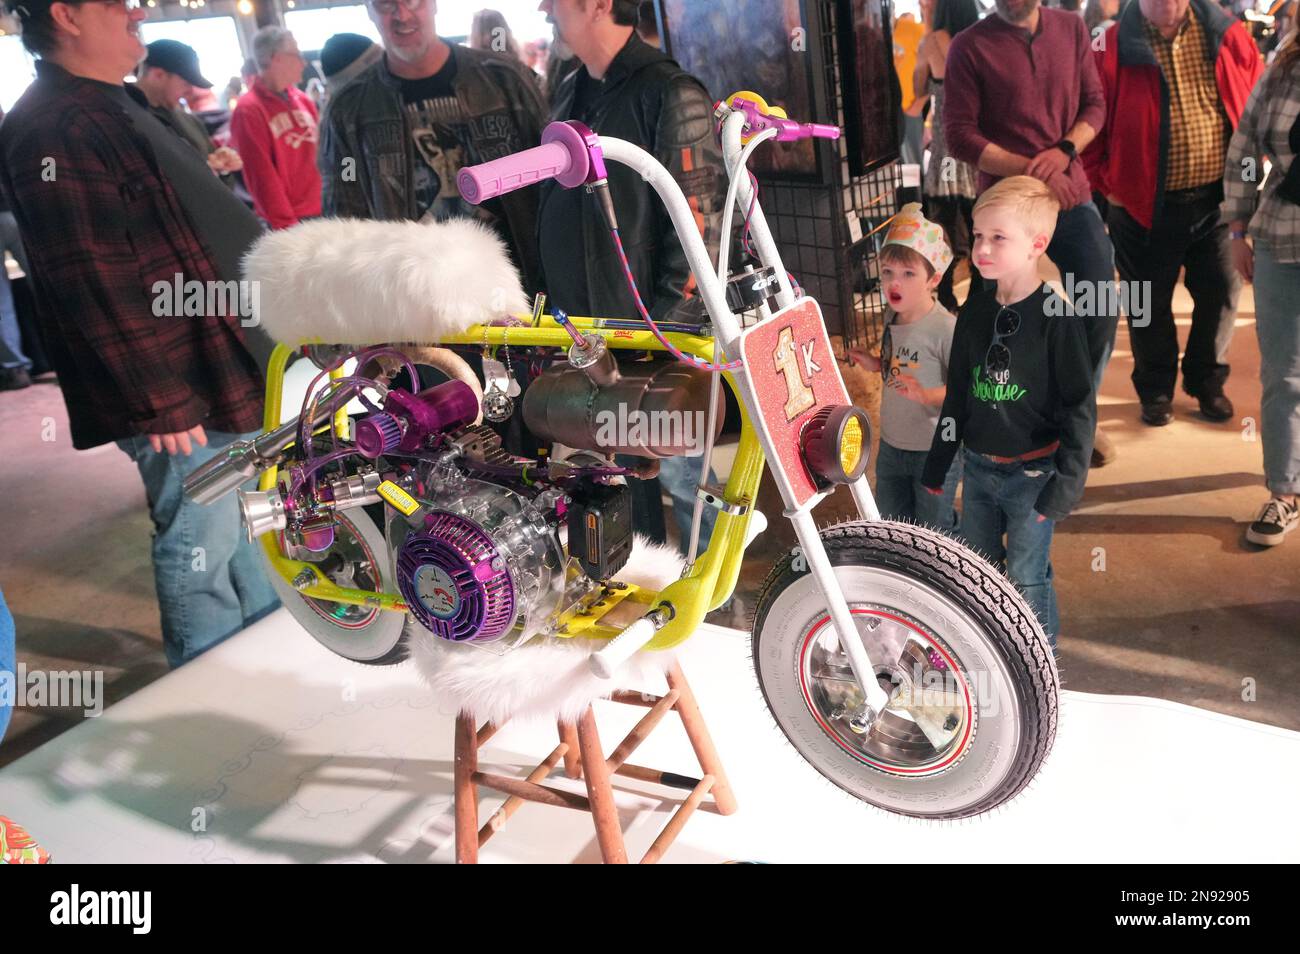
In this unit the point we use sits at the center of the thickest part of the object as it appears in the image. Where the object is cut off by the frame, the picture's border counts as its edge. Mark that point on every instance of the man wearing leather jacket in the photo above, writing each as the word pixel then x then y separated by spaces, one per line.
pixel 630 90
pixel 395 137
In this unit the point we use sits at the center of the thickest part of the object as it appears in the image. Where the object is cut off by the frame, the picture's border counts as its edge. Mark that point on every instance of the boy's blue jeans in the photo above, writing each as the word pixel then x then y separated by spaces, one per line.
pixel 998 499
pixel 211 581
pixel 900 495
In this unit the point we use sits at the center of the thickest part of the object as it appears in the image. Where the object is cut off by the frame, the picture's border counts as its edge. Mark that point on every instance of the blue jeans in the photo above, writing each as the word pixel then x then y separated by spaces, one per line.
pixel 678 477
pixel 998 499
pixel 211 581
pixel 1081 247
pixel 1277 322
pixel 8 663
pixel 900 495
pixel 11 355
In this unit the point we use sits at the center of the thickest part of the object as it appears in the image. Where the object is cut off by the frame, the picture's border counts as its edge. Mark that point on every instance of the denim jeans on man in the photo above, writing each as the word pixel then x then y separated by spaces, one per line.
pixel 998 499
pixel 901 496
pixel 11 355
pixel 1277 323
pixel 1190 235
pixel 211 581
pixel 1081 247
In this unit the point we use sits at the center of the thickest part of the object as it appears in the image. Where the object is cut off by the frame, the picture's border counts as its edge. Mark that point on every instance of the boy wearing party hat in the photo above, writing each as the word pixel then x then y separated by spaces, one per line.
pixel 913 364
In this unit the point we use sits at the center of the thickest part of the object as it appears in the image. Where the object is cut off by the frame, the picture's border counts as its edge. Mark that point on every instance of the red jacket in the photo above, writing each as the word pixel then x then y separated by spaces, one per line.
pixel 1127 159
pixel 277 141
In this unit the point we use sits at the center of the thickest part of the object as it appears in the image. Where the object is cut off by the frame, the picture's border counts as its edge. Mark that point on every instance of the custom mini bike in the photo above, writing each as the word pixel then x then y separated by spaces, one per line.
pixel 905 668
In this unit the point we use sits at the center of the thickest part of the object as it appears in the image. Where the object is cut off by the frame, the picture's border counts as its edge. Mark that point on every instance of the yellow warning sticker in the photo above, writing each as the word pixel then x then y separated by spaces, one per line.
pixel 398 498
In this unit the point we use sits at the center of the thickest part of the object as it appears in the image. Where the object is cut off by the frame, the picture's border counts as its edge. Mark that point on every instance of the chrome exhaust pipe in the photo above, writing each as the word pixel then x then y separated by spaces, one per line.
pixel 244 460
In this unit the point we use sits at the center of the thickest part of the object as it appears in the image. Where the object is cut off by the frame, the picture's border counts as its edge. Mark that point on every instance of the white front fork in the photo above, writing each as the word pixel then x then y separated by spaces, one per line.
pixel 728 329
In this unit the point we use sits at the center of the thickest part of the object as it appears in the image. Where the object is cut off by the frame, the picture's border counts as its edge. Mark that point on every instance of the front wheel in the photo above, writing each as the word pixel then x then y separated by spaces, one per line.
pixel 973 682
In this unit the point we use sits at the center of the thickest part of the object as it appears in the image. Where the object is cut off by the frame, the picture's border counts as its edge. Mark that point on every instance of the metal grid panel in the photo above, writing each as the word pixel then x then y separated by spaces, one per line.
pixel 829 234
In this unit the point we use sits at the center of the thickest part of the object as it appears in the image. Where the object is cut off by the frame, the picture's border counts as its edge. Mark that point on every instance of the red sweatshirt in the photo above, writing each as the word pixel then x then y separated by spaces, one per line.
pixel 277 138
pixel 1127 159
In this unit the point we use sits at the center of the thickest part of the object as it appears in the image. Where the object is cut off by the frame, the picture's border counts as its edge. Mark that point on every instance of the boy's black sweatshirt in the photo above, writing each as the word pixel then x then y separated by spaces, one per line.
pixel 1046 395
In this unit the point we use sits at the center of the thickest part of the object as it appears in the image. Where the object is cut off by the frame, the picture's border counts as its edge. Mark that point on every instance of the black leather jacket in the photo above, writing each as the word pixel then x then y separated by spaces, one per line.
pixel 649 100
pixel 364 122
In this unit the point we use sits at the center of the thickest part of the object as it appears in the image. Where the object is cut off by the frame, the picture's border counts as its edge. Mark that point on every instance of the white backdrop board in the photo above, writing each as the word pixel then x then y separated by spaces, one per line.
pixel 269 748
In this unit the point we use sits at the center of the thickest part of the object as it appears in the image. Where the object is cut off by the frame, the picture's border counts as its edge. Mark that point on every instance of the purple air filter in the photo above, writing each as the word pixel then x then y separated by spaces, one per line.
pixel 447 578
pixel 378 434
pixel 443 407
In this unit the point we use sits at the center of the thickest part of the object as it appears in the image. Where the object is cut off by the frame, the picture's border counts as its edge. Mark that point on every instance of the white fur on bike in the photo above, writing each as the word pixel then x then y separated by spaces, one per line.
pixel 546 679
pixel 348 281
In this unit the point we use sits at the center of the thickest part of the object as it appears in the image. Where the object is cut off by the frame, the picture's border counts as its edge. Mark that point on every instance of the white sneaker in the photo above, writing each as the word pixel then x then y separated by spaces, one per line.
pixel 1275 521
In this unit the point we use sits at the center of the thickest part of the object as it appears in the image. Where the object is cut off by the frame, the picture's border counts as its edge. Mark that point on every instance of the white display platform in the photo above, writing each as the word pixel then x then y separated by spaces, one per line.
pixel 276 750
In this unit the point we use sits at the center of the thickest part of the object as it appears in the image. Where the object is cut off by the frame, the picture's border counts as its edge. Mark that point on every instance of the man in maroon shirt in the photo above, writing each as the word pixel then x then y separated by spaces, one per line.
pixel 116 212
pixel 1023 98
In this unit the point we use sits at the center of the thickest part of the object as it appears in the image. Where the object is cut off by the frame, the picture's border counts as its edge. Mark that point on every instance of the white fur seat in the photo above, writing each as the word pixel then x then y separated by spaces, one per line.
pixel 545 679
pixel 349 281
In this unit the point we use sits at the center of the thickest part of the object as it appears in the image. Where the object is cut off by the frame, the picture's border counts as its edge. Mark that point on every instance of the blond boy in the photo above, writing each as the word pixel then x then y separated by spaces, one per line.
pixel 1020 399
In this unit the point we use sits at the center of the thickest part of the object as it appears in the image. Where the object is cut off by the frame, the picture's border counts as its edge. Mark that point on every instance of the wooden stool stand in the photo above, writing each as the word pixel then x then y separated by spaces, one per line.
pixel 583 758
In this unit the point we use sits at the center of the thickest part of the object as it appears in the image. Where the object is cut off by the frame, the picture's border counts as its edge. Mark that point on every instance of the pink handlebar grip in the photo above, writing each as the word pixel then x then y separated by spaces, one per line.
pixel 490 179
pixel 563 155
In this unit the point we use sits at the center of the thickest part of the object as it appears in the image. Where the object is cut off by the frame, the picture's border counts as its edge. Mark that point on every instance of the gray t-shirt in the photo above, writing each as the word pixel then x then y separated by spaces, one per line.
pixel 920 349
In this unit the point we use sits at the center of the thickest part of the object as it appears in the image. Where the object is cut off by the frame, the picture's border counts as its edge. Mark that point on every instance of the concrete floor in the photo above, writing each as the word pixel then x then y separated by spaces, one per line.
pixel 1159 593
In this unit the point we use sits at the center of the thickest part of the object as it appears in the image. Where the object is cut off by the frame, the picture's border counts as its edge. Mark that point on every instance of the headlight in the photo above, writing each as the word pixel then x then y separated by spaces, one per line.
pixel 837 445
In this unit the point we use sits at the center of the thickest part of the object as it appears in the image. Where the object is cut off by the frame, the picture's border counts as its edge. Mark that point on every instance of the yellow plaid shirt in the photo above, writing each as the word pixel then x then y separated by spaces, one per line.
pixel 1198 127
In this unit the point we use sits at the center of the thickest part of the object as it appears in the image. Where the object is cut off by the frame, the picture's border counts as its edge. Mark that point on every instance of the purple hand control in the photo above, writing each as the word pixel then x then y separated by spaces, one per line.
pixel 563 155
pixel 757 120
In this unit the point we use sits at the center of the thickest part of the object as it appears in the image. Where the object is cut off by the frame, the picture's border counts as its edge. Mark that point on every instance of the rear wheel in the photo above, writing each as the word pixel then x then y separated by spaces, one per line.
pixel 973 682
pixel 357 559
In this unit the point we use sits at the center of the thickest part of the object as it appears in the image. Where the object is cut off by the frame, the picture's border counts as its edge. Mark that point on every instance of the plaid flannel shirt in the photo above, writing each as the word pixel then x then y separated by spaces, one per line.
pixel 1198 128
pixel 1264 130
pixel 102 227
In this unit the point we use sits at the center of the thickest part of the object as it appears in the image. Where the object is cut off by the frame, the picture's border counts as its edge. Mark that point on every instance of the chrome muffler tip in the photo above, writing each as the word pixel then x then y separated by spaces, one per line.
pixel 261 511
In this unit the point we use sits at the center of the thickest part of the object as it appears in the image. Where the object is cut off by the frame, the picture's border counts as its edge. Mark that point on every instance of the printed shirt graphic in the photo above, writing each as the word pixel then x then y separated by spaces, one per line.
pixel 439 131
pixel 294 127
pixel 920 350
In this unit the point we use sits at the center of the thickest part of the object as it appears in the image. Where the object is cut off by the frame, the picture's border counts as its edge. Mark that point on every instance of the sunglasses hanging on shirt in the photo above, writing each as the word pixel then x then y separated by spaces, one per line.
pixel 997 360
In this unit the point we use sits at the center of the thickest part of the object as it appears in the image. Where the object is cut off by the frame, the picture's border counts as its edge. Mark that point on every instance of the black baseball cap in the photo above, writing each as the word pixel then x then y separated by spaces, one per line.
pixel 176 57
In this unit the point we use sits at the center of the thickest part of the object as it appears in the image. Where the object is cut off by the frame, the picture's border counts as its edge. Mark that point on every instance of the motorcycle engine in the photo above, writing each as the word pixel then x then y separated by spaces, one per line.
pixel 477 559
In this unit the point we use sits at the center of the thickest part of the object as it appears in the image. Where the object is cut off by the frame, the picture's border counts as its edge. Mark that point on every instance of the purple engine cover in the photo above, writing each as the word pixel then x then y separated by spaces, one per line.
pixel 446 576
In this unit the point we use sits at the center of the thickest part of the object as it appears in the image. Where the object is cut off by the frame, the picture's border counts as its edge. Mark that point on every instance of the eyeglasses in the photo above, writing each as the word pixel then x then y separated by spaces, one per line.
pixel 997 360
pixel 389 7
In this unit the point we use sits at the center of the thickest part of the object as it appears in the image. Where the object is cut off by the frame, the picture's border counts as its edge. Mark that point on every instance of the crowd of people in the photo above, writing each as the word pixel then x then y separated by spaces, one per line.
pixel 1124 136
pixel 1126 139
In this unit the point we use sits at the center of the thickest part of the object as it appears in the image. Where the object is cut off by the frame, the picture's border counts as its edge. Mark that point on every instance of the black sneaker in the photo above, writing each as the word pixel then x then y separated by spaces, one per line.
pixel 14 379
pixel 1275 521
pixel 1157 413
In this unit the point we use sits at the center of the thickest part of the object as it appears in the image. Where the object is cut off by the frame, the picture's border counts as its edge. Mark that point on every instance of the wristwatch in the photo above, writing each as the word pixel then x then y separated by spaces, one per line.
pixel 1236 234
pixel 1067 147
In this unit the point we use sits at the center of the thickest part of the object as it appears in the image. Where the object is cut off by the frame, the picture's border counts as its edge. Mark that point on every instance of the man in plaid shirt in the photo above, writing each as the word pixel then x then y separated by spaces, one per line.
pixel 116 212
pixel 1176 74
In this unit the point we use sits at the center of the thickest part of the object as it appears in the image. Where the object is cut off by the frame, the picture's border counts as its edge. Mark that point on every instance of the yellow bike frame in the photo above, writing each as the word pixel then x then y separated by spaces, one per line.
pixel 707 585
